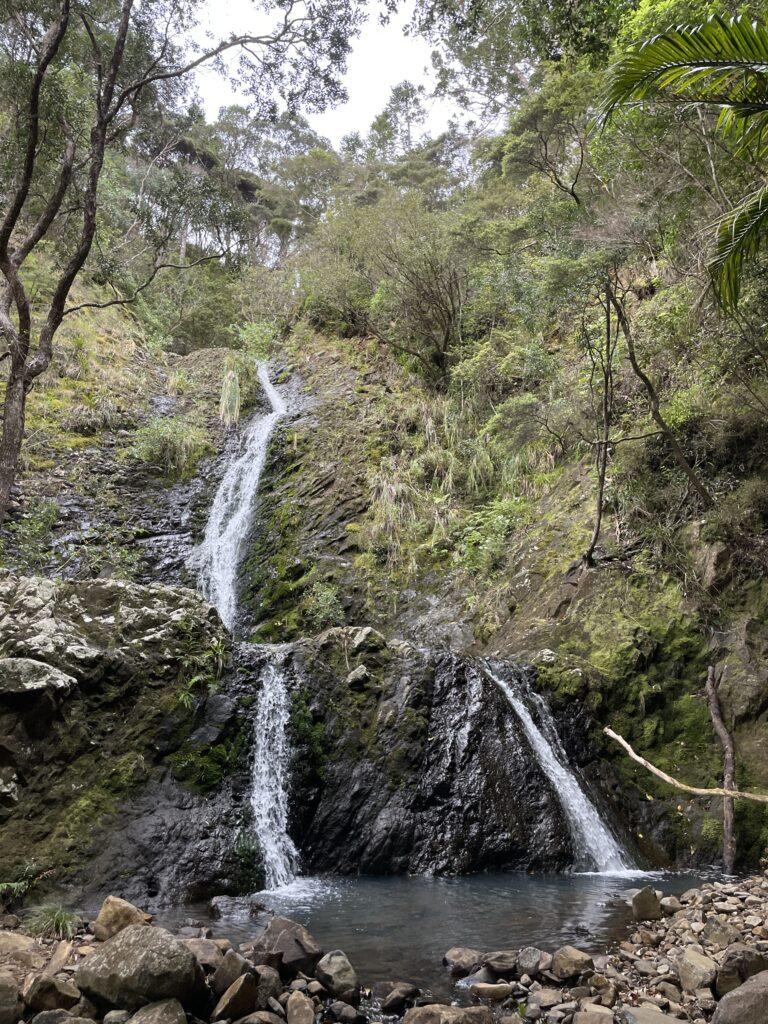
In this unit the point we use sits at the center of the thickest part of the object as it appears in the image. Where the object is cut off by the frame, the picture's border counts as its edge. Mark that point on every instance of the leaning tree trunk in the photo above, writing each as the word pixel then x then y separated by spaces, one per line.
pixel 729 838
pixel 11 437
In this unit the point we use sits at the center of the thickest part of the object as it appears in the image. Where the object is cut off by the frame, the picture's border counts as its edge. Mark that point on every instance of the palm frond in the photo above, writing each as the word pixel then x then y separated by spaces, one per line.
pixel 720 62
pixel 739 235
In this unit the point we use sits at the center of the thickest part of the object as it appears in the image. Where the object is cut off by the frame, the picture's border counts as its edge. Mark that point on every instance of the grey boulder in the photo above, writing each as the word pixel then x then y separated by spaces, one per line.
pixel 646 905
pixel 336 973
pixel 10 1000
pixel 142 965
pixel 287 946
pixel 747 1004
pixel 167 1011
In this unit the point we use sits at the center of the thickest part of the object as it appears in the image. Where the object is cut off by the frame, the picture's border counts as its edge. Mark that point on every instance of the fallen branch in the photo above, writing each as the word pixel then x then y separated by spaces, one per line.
pixel 760 798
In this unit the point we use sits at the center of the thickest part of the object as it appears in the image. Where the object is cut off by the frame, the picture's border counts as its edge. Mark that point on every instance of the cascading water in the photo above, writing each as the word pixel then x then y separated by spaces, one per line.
pixel 269 797
pixel 217 560
pixel 218 556
pixel 593 843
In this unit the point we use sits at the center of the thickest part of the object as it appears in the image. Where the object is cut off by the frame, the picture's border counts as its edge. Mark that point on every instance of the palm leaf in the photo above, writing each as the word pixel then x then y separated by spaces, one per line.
pixel 724 63
pixel 739 235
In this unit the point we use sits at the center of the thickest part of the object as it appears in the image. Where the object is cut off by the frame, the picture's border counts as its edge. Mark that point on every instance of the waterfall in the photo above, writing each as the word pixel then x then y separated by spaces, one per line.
pixel 593 843
pixel 217 558
pixel 271 756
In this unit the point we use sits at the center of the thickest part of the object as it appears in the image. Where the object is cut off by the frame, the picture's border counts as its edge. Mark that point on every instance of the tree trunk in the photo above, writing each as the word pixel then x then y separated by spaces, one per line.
pixel 729 839
pixel 654 403
pixel 12 437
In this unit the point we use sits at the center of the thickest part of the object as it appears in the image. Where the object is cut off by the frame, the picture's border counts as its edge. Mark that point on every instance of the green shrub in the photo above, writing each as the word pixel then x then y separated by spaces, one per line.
pixel 321 606
pixel 173 447
pixel 13 892
pixel 53 922
pixel 31 534
pixel 205 768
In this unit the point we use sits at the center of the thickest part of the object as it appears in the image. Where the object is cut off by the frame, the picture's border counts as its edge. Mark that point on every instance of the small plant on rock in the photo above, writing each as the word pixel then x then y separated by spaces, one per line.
pixel 53 922
pixel 322 606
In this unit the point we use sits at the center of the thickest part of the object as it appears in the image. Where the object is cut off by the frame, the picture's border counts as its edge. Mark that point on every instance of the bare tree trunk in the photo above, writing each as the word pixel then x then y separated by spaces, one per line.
pixel 653 400
pixel 606 415
pixel 729 760
pixel 184 234
pixel 11 437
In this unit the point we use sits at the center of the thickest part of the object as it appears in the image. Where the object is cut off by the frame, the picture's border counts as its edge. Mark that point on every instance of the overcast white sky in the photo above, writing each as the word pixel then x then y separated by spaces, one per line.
pixel 381 57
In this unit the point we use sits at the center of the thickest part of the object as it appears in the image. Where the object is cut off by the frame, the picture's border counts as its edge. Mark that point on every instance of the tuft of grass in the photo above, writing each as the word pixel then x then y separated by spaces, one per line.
pixel 173 446
pixel 230 402
pixel 53 922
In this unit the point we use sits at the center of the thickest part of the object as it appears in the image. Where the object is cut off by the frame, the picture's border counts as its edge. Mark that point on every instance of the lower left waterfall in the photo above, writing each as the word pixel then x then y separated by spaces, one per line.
pixel 271 761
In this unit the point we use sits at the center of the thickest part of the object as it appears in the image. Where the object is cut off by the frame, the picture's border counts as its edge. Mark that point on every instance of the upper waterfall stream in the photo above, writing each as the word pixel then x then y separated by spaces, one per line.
pixel 218 557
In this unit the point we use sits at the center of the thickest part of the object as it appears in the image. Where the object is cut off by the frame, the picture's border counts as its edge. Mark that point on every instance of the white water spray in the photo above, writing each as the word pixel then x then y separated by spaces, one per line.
pixel 271 758
pixel 218 556
pixel 593 843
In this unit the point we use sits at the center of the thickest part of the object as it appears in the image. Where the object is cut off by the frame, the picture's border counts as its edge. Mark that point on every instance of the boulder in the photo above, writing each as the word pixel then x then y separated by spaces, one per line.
pixel 531 961
pixel 300 1009
pixel 646 905
pixel 25 678
pixel 545 998
pixel 268 986
pixel 569 962
pixel 741 963
pixel 12 943
pixel 436 1013
pixel 239 1000
pixel 167 1011
pixel 55 1017
pixel 261 1017
pixel 10 1000
pixel 229 970
pixel 207 953
pixel 142 965
pixel 117 1017
pixel 644 1015
pixel 747 1004
pixel 503 962
pixel 695 970
pixel 461 961
pixel 59 958
pixel 343 1013
pixel 670 905
pixel 49 993
pixel 336 973
pixel 493 993
pixel 400 996
pixel 287 946
pixel 719 933
pixel 116 914
pixel 593 1016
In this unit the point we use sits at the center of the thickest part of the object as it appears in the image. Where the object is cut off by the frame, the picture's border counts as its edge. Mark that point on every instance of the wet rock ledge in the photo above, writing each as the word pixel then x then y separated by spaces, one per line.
pixel 701 958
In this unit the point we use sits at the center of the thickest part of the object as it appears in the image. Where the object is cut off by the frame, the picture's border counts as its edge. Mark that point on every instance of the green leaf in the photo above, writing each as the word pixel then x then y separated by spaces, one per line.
pixel 723 63
pixel 739 235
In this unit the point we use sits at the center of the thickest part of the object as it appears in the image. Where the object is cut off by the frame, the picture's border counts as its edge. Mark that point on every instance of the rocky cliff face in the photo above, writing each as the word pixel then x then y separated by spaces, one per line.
pixel 409 759
pixel 111 738
pixel 127 748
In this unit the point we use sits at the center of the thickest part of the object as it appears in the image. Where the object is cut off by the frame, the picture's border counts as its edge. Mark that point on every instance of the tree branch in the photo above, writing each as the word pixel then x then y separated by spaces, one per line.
pixel 760 798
